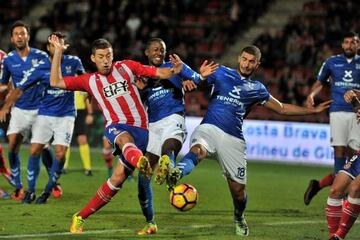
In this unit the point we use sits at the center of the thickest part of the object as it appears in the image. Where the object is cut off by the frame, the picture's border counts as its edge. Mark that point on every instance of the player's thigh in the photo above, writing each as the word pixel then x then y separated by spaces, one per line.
pixel 339 128
pixel 231 154
pixel 352 167
pixel 174 128
pixel 41 130
pixel 63 130
pixel 155 134
pixel 354 134
pixel 21 121
pixel 139 135
pixel 205 135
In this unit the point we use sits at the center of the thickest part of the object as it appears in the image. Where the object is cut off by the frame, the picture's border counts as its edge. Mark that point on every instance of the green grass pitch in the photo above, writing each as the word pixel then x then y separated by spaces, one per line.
pixel 275 208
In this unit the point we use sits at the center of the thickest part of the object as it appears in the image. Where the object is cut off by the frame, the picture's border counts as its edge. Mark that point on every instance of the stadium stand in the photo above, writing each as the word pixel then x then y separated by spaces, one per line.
pixel 199 30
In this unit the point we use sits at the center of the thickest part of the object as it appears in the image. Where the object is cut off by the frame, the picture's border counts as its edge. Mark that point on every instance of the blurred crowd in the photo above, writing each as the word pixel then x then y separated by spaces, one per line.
pixel 293 56
pixel 198 30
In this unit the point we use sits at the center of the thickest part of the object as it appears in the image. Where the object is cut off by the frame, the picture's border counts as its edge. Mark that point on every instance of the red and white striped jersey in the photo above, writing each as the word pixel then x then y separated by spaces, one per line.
pixel 2 56
pixel 116 94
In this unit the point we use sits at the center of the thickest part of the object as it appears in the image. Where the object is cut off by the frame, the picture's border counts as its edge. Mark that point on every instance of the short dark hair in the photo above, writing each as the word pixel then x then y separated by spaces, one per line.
pixel 60 35
pixel 350 35
pixel 19 24
pixel 253 50
pixel 159 40
pixel 100 43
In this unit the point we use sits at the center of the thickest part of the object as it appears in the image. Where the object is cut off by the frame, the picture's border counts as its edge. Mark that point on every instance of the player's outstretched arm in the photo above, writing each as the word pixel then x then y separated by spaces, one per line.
pixel 165 73
pixel 290 109
pixel 315 89
pixel 11 99
pixel 56 79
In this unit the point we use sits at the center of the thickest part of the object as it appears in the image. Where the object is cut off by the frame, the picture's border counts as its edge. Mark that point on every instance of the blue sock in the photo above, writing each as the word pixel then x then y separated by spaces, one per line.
pixel 56 170
pixel 339 164
pixel 172 159
pixel 14 161
pixel 47 159
pixel 239 208
pixel 145 195
pixel 187 163
pixel 33 170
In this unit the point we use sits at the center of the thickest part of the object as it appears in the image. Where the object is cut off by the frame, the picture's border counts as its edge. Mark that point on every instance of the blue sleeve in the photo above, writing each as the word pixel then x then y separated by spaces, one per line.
pixel 189 74
pixel 324 72
pixel 264 94
pixel 5 73
pixel 212 78
pixel 80 68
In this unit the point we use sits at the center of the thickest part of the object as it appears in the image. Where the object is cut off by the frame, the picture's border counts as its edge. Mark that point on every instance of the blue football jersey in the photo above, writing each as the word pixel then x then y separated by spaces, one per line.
pixel 344 76
pixel 165 97
pixel 55 101
pixel 16 68
pixel 232 98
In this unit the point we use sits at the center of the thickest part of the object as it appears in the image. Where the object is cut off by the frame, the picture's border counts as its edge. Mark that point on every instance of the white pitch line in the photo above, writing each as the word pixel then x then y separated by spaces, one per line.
pixel 195 226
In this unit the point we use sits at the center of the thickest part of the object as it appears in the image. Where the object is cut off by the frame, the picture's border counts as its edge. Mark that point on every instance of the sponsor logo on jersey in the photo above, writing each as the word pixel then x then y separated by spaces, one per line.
pixel 116 89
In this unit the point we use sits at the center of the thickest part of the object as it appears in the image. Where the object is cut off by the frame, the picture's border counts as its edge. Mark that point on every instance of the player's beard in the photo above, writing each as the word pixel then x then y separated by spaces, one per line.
pixel 20 47
pixel 246 75
pixel 349 53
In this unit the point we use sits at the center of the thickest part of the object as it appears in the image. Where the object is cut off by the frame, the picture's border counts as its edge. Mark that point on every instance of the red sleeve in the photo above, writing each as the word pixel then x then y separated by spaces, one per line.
pixel 77 83
pixel 140 70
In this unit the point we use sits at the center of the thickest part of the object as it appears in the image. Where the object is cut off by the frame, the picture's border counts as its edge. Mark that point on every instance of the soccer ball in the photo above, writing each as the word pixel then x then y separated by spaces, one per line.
pixel 184 197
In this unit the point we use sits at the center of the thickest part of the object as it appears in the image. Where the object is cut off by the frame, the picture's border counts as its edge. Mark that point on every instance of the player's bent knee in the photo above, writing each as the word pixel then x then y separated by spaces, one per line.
pixel 199 150
pixel 335 192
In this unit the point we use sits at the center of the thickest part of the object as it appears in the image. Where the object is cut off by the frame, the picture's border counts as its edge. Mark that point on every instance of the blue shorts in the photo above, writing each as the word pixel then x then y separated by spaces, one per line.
pixel 140 136
pixel 352 167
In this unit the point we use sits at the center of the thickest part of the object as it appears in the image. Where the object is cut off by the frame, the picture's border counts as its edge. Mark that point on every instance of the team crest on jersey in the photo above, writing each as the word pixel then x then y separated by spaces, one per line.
pixel 68 69
pixel 250 85
pixel 34 62
pixel 348 76
pixel 347 166
pixel 116 89
pixel 114 131
pixel 235 93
